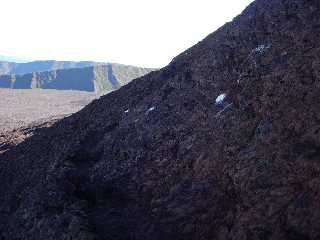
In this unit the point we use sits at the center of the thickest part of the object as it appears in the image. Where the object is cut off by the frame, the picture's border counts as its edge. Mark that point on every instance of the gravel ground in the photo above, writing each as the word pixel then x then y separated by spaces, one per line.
pixel 19 108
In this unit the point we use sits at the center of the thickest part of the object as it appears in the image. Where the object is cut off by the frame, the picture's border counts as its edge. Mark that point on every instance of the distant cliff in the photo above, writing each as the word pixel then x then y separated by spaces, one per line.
pixel 41 66
pixel 94 78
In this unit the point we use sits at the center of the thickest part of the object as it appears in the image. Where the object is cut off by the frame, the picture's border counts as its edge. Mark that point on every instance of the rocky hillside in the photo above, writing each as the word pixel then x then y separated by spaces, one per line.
pixel 223 143
pixel 95 78
pixel 12 137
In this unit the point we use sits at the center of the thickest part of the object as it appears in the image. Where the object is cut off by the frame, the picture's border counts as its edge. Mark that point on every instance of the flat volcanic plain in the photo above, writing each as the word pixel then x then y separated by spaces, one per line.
pixel 19 108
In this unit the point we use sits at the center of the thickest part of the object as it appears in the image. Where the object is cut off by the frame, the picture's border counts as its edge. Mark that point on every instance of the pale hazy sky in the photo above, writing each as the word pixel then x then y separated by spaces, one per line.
pixel 138 32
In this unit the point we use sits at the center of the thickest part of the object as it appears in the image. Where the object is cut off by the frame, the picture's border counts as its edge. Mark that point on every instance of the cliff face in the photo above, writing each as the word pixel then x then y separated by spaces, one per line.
pixel 41 66
pixel 94 79
pixel 221 144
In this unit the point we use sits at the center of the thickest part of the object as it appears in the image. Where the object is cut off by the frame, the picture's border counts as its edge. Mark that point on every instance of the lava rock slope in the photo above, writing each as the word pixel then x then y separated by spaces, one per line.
pixel 160 159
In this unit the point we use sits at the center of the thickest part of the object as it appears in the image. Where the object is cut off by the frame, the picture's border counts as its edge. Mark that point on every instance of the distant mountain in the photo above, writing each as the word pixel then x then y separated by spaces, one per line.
pixel 83 76
pixel 41 66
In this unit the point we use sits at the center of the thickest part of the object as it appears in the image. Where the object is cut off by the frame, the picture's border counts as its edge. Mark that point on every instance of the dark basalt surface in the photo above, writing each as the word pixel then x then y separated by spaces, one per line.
pixel 158 159
pixel 13 137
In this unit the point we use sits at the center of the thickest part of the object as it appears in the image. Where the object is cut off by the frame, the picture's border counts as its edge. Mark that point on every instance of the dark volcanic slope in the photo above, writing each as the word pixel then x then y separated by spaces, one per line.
pixel 158 159
pixel 96 78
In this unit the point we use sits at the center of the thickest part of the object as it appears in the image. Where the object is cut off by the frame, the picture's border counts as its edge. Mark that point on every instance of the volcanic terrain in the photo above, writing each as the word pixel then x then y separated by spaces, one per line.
pixel 223 143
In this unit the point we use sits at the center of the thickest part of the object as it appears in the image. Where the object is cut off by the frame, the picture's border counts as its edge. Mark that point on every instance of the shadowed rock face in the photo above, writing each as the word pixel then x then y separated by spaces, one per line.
pixel 160 159
pixel 13 137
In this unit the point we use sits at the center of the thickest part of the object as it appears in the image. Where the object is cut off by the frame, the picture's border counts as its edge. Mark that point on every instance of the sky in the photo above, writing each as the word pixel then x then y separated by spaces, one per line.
pixel 144 33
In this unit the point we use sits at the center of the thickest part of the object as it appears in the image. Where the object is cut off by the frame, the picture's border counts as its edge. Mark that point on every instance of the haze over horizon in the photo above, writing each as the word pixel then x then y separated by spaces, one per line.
pixel 141 33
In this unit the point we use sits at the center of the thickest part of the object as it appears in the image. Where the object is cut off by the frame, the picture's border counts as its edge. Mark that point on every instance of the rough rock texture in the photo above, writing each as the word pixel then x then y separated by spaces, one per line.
pixel 95 78
pixel 11 138
pixel 159 159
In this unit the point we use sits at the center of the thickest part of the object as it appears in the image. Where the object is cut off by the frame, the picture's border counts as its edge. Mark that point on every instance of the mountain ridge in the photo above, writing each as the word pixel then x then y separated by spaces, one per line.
pixel 7 68
pixel 96 78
